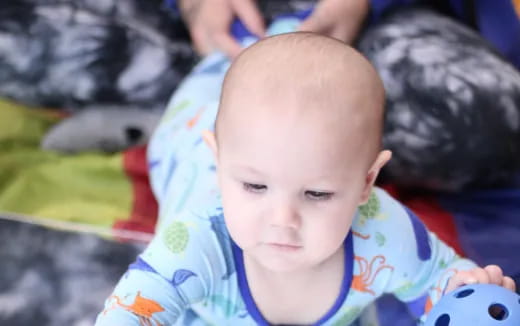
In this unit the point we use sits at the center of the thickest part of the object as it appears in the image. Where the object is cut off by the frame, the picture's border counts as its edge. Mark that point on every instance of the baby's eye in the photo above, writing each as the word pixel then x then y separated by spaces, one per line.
pixel 318 195
pixel 255 188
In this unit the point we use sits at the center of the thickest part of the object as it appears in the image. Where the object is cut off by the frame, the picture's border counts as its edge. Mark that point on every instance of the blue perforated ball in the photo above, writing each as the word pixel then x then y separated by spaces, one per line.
pixel 476 305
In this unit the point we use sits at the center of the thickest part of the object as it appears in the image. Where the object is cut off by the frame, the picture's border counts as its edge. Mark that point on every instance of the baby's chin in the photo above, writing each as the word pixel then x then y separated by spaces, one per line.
pixel 279 259
pixel 281 266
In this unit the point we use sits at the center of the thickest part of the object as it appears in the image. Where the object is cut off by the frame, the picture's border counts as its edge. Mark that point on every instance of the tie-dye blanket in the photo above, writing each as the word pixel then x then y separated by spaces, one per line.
pixel 54 278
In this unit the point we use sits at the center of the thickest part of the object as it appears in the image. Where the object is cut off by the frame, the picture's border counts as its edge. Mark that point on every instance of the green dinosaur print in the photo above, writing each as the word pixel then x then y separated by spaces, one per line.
pixel 227 307
pixel 370 209
pixel 176 237
pixel 348 317
pixel 176 109
pixel 380 239
pixel 403 288
pixel 188 189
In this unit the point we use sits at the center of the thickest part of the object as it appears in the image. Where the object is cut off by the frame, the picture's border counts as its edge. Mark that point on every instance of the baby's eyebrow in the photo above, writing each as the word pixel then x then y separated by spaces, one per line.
pixel 248 169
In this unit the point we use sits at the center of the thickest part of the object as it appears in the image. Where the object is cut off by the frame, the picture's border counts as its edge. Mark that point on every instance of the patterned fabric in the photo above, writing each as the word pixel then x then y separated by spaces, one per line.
pixel 192 273
pixel 453 103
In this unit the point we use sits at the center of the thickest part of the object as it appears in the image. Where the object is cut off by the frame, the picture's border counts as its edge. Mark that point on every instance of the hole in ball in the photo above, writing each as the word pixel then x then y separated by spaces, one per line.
pixel 464 293
pixel 498 311
pixel 443 320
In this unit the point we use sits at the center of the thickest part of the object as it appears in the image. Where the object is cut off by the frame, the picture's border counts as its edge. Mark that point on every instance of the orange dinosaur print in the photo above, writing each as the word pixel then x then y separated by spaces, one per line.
pixel 361 282
pixel 516 4
pixel 437 290
pixel 142 307
pixel 428 306
pixel 193 121
pixel 360 235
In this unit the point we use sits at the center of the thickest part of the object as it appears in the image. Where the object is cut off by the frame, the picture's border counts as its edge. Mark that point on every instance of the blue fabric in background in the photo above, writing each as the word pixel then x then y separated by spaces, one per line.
pixel 392 312
pixel 172 5
pixel 488 226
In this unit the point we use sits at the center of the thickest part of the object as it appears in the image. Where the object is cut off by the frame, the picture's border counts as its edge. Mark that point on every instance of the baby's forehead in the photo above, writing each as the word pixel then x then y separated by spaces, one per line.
pixel 278 119
pixel 287 147
pixel 324 118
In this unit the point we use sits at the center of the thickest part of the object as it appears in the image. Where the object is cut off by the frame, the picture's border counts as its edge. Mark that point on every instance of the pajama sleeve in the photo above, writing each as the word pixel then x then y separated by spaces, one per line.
pixel 175 272
pixel 395 253
pixel 423 263
pixel 143 298
pixel 429 274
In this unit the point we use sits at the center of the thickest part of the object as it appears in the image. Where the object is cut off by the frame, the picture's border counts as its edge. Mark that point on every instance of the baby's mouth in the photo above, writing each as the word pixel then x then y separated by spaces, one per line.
pixel 284 246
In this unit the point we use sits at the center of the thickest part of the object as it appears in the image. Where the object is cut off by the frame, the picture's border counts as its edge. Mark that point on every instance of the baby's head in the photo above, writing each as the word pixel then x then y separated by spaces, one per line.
pixel 298 146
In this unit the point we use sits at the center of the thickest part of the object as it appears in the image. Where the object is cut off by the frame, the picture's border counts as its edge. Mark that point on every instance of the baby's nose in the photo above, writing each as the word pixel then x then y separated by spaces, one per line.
pixel 285 216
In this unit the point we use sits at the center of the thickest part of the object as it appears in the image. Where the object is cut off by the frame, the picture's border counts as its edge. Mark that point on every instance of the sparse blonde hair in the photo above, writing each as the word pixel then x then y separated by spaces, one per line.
pixel 308 66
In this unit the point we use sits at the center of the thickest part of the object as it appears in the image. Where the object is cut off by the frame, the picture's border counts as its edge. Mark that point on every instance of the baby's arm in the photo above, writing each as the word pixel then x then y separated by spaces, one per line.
pixel 452 271
pixel 435 269
pixel 442 273
pixel 431 276
pixel 421 263
pixel 171 275
pixel 142 297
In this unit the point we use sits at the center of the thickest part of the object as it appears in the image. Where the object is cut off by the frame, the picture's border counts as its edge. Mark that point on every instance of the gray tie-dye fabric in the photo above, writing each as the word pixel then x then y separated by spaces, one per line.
pixel 56 278
pixel 76 53
pixel 453 103
pixel 73 53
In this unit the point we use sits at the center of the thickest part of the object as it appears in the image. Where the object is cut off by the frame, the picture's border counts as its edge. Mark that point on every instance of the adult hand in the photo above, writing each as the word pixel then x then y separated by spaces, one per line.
pixel 341 19
pixel 490 274
pixel 209 23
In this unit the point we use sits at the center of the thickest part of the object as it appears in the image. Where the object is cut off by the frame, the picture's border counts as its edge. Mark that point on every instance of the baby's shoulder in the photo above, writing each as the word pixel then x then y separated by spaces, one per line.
pixel 195 237
pixel 379 210
pixel 384 222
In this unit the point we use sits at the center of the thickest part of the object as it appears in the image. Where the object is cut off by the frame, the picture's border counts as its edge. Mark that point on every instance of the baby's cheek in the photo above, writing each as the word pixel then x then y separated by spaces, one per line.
pixel 242 228
pixel 330 234
pixel 321 238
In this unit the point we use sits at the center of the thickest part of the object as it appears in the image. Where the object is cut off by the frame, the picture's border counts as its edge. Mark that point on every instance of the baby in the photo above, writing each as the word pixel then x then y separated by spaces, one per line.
pixel 297 234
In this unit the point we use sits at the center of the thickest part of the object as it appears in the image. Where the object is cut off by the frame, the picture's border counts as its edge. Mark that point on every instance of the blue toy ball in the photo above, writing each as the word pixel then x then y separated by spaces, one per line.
pixel 476 305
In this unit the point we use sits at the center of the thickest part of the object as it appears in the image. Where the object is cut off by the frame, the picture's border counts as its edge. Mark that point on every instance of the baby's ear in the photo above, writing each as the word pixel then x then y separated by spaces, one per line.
pixel 382 158
pixel 210 140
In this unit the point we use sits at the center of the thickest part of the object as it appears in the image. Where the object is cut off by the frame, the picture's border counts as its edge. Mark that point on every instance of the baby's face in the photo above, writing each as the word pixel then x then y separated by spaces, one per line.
pixel 290 185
